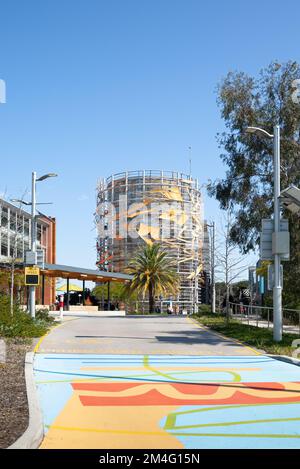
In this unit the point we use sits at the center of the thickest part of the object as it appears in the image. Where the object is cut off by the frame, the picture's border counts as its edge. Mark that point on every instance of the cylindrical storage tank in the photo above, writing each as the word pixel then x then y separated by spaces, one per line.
pixel 149 206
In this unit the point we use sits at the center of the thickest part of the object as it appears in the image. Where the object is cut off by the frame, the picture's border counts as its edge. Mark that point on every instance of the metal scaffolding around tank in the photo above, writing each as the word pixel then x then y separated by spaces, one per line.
pixel 148 206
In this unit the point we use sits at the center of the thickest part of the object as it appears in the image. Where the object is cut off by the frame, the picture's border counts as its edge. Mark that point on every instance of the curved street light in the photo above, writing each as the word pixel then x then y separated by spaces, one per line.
pixel 277 289
pixel 33 230
pixel 46 176
pixel 259 131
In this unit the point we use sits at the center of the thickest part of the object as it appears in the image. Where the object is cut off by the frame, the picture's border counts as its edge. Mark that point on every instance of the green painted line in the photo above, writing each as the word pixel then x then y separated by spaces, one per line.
pixel 173 416
pixel 239 435
pixel 170 422
pixel 228 424
pixel 150 368
pixel 202 381
pixel 236 377
pixel 227 435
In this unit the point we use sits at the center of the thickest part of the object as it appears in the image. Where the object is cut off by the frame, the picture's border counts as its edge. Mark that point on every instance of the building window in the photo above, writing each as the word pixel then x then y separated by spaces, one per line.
pixel 44 237
pixel 20 249
pixel 12 221
pixel 12 246
pixel 4 247
pixel 39 233
pixel 20 225
pixel 26 227
pixel 26 246
pixel 4 217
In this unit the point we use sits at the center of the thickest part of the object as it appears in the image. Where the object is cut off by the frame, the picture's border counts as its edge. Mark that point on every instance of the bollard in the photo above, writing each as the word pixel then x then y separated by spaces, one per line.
pixel 61 307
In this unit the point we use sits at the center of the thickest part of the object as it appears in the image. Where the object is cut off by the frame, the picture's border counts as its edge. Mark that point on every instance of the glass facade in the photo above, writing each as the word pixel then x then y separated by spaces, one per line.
pixel 15 232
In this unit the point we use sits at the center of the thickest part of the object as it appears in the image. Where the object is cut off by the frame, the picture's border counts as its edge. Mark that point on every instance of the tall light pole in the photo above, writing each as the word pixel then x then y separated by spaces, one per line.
pixel 33 240
pixel 212 260
pixel 33 204
pixel 277 288
pixel 33 231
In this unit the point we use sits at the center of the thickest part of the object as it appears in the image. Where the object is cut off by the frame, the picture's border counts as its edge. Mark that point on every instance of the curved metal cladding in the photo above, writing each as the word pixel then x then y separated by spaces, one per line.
pixel 138 207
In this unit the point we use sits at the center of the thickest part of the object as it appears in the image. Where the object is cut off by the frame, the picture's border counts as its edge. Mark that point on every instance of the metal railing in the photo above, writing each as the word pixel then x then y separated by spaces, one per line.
pixel 262 316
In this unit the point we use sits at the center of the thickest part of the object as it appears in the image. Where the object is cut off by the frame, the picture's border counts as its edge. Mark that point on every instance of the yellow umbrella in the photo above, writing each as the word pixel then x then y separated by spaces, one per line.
pixel 72 287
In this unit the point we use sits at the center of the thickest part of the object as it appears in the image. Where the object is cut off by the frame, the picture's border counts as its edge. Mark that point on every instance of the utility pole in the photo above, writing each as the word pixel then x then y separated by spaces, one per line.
pixel 213 280
pixel 277 289
pixel 212 264
pixel 33 204
pixel 33 240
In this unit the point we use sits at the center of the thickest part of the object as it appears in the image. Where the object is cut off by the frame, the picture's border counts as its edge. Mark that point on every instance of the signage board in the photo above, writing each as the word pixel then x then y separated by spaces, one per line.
pixel 267 229
pixel 32 276
pixel 271 275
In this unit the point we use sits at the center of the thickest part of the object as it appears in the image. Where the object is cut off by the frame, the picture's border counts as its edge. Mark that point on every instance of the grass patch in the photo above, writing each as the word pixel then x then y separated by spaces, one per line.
pixel 256 337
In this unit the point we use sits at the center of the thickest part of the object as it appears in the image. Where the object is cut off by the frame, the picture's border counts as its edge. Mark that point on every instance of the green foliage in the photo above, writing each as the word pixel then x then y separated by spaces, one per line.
pixel 248 186
pixel 204 309
pixel 19 324
pixel 257 337
pixel 117 292
pixel 153 273
pixel 146 313
pixel 43 315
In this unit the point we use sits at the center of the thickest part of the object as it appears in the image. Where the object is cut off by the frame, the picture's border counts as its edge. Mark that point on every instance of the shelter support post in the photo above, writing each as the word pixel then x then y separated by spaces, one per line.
pixel 83 292
pixel 68 295
pixel 108 296
pixel 43 289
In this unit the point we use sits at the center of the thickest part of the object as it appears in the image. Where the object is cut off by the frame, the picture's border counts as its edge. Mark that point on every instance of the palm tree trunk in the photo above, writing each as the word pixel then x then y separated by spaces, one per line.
pixel 151 299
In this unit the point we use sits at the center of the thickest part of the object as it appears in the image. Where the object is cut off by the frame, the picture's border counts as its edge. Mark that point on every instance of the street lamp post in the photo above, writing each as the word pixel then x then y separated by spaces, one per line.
pixel 33 204
pixel 277 288
pixel 212 257
pixel 33 240
pixel 33 230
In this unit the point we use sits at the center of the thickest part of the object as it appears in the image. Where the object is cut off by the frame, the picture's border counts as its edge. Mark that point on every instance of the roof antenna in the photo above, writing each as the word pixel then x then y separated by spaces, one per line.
pixel 190 162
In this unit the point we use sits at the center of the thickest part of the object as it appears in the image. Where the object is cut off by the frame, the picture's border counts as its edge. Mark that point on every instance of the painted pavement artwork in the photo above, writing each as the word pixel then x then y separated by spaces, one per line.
pixel 136 401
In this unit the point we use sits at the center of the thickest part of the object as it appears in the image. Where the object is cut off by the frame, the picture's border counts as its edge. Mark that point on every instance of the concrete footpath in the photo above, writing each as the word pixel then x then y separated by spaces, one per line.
pixel 142 382
pixel 169 335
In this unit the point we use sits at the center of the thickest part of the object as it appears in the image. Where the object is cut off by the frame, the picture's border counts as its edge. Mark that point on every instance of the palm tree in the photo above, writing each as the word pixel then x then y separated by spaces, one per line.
pixel 152 272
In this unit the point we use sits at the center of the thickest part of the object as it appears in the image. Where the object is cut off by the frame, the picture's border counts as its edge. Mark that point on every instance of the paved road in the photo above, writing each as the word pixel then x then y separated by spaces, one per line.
pixel 196 391
pixel 138 335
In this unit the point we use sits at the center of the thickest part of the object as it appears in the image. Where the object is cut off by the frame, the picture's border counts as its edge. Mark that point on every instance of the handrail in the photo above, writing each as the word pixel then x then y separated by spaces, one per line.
pixel 251 311
pixel 263 307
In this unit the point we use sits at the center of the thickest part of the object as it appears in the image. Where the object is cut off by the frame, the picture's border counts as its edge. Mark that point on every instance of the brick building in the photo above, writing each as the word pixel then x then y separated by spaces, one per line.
pixel 15 239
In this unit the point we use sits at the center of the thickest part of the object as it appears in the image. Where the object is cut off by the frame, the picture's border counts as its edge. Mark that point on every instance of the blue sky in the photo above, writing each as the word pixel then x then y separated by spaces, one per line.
pixel 96 87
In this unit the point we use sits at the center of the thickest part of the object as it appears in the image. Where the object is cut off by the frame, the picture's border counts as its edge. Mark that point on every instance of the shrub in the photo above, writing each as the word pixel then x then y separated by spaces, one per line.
pixel 204 309
pixel 43 315
pixel 20 323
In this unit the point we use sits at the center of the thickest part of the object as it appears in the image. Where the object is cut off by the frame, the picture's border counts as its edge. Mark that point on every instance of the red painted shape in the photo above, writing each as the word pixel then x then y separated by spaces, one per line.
pixel 184 388
pixel 156 396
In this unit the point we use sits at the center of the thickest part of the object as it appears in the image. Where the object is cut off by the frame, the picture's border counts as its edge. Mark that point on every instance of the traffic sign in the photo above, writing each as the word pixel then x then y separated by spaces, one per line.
pixel 30 258
pixel 32 276
pixel 271 276
pixel 40 258
pixel 35 258
pixel 267 229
